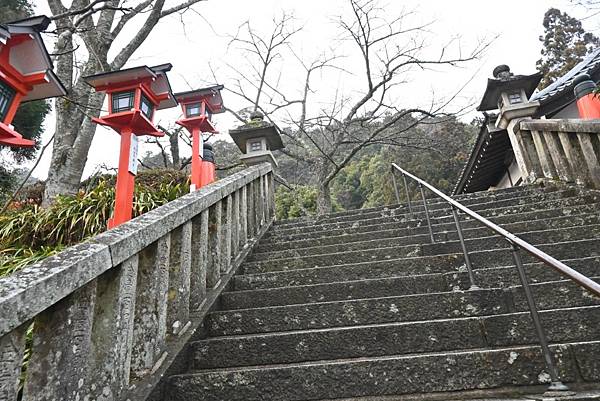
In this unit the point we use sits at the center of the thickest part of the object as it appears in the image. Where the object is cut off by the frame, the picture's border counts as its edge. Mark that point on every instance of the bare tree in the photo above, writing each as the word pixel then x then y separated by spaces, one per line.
pixel 391 50
pixel 95 25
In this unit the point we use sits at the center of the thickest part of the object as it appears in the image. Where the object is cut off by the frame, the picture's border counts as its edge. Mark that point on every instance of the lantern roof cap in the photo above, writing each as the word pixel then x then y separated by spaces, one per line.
pixel 257 128
pixel 31 57
pixel 38 23
pixel 505 81
pixel 158 74
pixel 212 94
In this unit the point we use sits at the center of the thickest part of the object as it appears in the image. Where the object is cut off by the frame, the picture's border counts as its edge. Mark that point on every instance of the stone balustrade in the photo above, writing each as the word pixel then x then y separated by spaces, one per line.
pixel 105 319
pixel 565 150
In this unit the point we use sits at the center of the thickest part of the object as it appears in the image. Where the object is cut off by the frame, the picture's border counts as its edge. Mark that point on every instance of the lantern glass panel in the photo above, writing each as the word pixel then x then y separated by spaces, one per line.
pixel 7 94
pixel 514 98
pixel 146 107
pixel 255 146
pixel 193 110
pixel 122 101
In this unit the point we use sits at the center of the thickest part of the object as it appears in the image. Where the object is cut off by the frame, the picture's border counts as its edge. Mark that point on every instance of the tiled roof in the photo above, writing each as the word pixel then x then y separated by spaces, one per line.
pixel 590 64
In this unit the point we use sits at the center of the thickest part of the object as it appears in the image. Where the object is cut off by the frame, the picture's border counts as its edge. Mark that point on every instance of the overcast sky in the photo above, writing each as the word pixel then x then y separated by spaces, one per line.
pixel 199 38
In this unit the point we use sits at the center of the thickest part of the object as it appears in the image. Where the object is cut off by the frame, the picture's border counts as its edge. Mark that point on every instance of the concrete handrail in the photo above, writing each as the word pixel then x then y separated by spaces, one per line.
pixel 107 312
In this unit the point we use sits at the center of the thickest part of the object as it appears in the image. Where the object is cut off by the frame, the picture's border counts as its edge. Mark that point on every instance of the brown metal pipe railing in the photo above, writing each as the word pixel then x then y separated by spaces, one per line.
pixel 563 269
pixel 516 244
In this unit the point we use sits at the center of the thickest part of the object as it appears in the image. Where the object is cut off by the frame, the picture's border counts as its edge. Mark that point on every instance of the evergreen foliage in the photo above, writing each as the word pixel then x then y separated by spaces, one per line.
pixel 565 43
pixel 12 10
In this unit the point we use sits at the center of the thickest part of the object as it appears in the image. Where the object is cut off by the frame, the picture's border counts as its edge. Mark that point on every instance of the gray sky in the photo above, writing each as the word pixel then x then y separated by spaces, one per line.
pixel 200 38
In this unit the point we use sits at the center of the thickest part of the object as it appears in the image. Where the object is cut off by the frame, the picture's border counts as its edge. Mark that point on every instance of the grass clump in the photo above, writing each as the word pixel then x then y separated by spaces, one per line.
pixel 30 233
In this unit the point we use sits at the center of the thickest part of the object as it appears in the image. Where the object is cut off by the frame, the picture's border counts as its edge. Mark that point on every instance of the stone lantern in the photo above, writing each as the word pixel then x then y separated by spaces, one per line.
pixel 256 140
pixel 509 94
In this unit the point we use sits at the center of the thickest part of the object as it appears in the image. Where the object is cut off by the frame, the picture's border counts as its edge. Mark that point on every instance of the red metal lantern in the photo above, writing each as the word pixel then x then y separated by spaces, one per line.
pixel 134 94
pixel 198 107
pixel 25 73
pixel 588 102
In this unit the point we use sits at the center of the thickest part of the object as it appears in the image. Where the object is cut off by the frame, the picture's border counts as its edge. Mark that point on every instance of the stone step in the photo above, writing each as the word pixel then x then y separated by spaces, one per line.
pixel 437 210
pixel 516 213
pixel 450 262
pixel 464 198
pixel 538 272
pixel 562 325
pixel 581 392
pixel 442 209
pixel 449 277
pixel 417 206
pixel 405 308
pixel 556 235
pixel 388 375
pixel 374 254
pixel 420 226
pixel 406 237
pixel 344 288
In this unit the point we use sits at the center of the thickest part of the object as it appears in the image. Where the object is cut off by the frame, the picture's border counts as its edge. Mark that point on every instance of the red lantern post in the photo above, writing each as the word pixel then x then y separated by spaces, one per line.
pixel 198 107
pixel 588 101
pixel 25 73
pixel 134 95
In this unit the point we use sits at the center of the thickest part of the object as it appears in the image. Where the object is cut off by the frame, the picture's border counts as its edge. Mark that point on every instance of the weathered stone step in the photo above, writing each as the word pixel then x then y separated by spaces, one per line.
pixel 417 206
pixel 450 262
pixel 345 288
pixel 419 218
pixel 449 275
pixel 406 308
pixel 405 237
pixel 563 325
pixel 403 251
pixel 464 198
pixel 564 234
pixel 442 209
pixel 436 210
pixel 420 226
pixel 582 392
pixel 442 371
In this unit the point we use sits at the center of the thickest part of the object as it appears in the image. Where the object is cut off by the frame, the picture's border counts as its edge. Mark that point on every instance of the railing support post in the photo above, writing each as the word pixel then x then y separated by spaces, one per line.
pixel 464 249
pixel 407 194
pixel 395 185
pixel 556 384
pixel 427 213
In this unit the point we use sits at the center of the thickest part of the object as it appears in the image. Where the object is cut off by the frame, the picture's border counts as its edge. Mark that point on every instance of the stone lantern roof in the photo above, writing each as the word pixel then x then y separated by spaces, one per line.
pixel 506 81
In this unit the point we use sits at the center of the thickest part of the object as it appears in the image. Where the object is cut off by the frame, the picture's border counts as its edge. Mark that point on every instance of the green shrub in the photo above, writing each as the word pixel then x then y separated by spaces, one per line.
pixel 29 233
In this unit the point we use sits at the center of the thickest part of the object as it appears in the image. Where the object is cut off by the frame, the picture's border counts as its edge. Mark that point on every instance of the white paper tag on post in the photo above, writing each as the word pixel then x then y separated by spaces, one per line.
pixel 201 146
pixel 133 154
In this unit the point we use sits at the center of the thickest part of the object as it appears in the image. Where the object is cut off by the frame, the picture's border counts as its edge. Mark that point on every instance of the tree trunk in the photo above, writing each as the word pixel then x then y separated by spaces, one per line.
pixel 71 147
pixel 324 204
pixel 174 141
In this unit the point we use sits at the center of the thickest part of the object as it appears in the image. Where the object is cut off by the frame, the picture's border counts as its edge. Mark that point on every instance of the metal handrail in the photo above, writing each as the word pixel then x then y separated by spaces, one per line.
pixel 565 270
pixel 516 244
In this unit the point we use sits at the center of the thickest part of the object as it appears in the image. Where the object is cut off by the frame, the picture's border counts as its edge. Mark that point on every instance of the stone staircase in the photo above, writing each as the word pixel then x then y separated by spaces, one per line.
pixel 360 305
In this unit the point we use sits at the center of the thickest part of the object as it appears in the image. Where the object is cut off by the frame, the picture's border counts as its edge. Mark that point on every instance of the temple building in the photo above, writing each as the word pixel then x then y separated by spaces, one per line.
pixel 493 162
